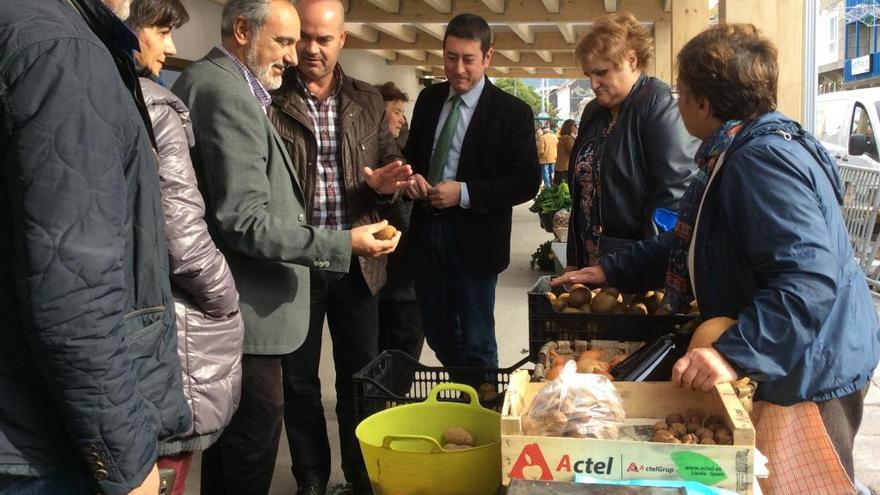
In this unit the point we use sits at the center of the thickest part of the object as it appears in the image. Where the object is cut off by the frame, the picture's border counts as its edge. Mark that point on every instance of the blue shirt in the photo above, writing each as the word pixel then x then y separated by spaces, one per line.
pixel 256 86
pixel 466 111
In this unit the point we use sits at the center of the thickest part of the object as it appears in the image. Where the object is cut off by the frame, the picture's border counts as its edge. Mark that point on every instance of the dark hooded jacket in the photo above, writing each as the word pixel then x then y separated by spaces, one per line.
pixel 89 377
pixel 771 250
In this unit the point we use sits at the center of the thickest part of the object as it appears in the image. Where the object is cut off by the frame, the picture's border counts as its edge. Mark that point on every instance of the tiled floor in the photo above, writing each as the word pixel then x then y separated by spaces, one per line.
pixel 511 319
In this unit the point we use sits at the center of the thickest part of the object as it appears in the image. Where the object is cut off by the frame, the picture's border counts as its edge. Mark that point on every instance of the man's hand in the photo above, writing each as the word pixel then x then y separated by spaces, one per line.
pixel 389 178
pixel 702 369
pixel 150 486
pixel 364 244
pixel 591 275
pixel 445 194
pixel 418 188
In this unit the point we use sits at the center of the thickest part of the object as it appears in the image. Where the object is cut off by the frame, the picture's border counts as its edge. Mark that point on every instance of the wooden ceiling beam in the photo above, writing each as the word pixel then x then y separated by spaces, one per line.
pixel 546 55
pixel 530 70
pixel 545 40
pixel 525 60
pixel 407 34
pixel 496 6
pixel 363 33
pixel 517 73
pixel 511 55
pixel 435 29
pixel 392 6
pixel 419 55
pixel 495 11
pixel 667 5
pixel 524 31
pixel 610 6
pixel 566 29
pixel 552 6
pixel 442 6
pixel 386 54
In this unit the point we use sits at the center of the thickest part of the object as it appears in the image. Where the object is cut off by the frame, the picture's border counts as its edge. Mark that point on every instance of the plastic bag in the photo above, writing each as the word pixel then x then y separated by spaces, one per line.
pixel 582 405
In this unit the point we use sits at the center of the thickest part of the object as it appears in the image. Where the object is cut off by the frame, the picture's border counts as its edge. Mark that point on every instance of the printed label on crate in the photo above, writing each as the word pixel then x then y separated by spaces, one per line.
pixel 562 459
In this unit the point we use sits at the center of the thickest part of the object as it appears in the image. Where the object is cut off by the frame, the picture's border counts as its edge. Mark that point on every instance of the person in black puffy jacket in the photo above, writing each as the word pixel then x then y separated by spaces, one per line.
pixel 632 154
pixel 89 378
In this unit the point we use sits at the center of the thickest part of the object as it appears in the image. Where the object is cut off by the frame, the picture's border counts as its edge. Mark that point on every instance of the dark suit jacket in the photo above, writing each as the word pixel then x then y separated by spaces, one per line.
pixel 498 162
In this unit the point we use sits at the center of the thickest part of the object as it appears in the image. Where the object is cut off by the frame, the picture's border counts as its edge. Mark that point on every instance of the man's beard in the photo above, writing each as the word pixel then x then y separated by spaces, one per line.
pixel 263 73
pixel 119 7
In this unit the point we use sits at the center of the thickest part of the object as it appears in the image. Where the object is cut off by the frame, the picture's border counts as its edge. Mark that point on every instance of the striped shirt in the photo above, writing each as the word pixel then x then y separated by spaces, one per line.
pixel 256 86
pixel 328 206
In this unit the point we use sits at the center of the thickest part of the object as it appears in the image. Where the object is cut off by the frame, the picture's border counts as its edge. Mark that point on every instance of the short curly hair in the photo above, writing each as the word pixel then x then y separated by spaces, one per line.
pixel 390 92
pixel 734 68
pixel 612 36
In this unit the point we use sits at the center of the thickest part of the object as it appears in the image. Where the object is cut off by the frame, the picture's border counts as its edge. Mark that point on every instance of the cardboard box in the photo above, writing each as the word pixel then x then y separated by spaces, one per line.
pixel 557 458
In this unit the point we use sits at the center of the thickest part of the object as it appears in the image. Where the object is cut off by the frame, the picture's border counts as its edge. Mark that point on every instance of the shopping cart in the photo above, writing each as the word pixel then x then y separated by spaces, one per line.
pixel 861 205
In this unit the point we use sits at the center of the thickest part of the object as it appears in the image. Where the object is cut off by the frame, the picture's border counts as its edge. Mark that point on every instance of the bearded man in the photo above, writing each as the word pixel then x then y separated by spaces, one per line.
pixel 255 211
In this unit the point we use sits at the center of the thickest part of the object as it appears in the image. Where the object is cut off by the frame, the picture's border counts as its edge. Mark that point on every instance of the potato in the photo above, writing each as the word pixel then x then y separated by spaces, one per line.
pixel 604 303
pixel 690 438
pixel 705 433
pixel 551 297
pixel 455 446
pixel 487 392
pixel 677 429
pixel 652 301
pixel 579 296
pixel 571 310
pixel 562 299
pixel 638 309
pixel 692 426
pixel 660 425
pixel 458 435
pixel 707 441
pixel 386 233
pixel 674 418
pixel 586 308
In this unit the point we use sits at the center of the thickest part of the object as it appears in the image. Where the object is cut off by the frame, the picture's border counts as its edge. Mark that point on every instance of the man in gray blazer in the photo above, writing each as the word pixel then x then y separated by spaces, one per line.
pixel 256 216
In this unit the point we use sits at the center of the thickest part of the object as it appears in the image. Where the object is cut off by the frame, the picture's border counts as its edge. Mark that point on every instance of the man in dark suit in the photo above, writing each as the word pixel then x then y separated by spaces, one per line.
pixel 473 154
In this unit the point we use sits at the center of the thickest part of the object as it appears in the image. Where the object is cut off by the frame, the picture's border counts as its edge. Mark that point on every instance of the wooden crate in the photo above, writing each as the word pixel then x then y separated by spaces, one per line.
pixel 556 458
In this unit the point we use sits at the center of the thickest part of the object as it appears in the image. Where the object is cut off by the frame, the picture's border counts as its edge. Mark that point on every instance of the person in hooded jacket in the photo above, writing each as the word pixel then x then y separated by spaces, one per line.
pixel 760 239
pixel 210 330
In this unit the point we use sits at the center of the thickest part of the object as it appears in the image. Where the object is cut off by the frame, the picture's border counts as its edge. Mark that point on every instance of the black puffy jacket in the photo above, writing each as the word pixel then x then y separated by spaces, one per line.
pixel 88 368
pixel 647 163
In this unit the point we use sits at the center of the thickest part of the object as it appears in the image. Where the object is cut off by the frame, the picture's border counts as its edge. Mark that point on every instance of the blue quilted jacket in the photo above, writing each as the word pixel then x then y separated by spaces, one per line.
pixel 771 251
pixel 89 377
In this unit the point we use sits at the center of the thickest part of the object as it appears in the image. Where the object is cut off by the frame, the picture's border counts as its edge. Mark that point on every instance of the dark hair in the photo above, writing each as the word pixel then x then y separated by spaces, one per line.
pixel 612 36
pixel 148 13
pixel 390 92
pixel 568 127
pixel 470 27
pixel 734 68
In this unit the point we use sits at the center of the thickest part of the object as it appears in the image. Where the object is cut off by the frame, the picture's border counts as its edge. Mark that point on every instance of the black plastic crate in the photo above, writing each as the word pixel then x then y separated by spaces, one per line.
pixel 394 378
pixel 546 324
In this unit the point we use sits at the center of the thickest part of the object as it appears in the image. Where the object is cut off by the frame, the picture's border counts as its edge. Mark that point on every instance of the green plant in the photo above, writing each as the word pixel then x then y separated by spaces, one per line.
pixel 542 258
pixel 552 199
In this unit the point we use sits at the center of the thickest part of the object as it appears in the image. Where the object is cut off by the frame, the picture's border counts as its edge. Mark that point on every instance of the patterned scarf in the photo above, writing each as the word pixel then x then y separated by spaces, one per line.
pixel 679 292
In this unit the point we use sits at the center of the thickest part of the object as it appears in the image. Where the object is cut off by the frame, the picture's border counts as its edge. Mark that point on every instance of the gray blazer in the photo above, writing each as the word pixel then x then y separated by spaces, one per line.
pixel 254 206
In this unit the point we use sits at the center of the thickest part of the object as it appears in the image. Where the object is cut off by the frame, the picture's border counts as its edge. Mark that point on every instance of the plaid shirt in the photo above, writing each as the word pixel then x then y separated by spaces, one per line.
pixel 328 206
pixel 256 86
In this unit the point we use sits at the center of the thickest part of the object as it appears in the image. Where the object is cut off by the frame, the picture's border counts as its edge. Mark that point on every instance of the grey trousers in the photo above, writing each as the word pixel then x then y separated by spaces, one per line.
pixel 842 418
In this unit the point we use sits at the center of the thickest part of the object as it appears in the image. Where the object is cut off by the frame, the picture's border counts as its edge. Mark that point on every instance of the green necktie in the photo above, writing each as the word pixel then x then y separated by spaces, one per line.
pixel 441 152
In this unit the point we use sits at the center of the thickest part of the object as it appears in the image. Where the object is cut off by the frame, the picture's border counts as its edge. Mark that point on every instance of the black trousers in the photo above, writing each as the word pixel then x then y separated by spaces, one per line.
pixel 242 460
pixel 400 327
pixel 842 418
pixel 352 315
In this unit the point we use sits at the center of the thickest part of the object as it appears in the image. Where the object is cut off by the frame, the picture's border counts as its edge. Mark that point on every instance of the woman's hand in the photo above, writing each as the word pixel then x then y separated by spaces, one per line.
pixel 591 275
pixel 702 369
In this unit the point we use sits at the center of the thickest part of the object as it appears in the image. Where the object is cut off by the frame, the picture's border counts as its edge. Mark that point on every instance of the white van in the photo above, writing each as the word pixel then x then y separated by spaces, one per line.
pixel 845 123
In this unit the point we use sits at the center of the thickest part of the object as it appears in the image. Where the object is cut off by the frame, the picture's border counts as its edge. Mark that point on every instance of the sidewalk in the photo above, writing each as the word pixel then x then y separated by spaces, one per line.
pixel 511 321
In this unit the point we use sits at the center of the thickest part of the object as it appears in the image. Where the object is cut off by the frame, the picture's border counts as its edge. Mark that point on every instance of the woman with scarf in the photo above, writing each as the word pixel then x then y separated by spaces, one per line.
pixel 632 154
pixel 760 239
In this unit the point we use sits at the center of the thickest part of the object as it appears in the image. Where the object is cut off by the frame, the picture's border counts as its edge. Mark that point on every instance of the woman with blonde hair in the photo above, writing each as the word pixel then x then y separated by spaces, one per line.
pixel 632 154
